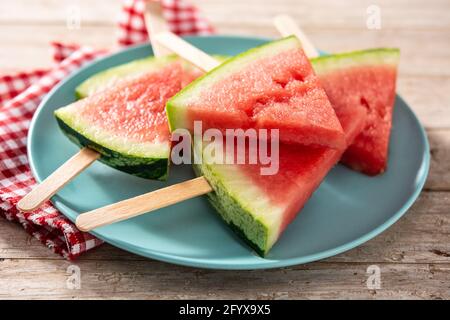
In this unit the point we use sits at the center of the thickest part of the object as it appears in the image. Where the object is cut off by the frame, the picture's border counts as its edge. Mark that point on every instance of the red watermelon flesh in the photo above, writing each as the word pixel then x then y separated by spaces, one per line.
pixel 363 80
pixel 126 123
pixel 301 170
pixel 271 87
pixel 260 207
pixel 135 109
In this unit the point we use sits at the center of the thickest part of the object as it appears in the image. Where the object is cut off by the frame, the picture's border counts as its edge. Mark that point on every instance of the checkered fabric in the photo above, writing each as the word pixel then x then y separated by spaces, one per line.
pixel 20 95
pixel 12 85
pixel 182 18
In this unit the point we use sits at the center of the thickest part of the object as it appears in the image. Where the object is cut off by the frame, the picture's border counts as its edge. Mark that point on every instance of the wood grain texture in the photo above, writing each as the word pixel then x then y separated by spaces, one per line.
pixel 439 177
pixel 414 254
pixel 156 280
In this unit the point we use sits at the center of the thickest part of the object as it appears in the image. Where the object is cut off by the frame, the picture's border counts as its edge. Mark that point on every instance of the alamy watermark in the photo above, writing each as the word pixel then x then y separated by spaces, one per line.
pixel 73 281
pixel 228 146
pixel 73 17
pixel 373 21
pixel 374 277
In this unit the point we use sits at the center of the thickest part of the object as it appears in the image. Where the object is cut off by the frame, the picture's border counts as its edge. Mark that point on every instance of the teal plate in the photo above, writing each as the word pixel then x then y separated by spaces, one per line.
pixel 347 210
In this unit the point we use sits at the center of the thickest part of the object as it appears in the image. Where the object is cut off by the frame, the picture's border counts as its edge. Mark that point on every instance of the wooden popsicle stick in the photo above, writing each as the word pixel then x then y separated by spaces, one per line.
pixel 287 27
pixel 185 50
pixel 155 23
pixel 80 161
pixel 58 179
pixel 142 204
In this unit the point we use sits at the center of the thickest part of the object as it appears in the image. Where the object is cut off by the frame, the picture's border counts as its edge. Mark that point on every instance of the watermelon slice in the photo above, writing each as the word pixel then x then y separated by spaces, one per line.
pixel 126 123
pixel 363 80
pixel 259 208
pixel 272 86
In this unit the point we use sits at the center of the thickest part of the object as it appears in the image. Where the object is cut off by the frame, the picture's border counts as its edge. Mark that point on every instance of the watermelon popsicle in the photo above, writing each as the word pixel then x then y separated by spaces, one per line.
pixel 122 115
pixel 355 82
pixel 258 207
pixel 126 123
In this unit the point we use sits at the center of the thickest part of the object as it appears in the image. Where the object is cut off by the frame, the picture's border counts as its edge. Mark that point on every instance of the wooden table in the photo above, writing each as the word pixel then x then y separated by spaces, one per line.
pixel 413 255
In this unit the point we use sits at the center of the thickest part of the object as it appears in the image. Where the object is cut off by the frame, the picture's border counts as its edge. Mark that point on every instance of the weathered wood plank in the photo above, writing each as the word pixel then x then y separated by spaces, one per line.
pixel 421 236
pixel 350 14
pixel 27 47
pixel 439 177
pixel 43 279
pixel 36 12
pixel 432 60
pixel 424 95
pixel 341 27
pixel 324 13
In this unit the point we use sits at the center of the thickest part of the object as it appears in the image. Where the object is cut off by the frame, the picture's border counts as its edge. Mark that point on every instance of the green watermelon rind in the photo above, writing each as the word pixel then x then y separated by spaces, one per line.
pixel 127 71
pixel 253 231
pixel 175 111
pixel 144 167
pixel 253 221
pixel 130 70
pixel 377 56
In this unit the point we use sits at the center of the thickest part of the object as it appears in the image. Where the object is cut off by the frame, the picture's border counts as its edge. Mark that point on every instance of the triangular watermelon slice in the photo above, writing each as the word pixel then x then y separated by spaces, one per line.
pixel 363 80
pixel 260 207
pixel 272 86
pixel 126 122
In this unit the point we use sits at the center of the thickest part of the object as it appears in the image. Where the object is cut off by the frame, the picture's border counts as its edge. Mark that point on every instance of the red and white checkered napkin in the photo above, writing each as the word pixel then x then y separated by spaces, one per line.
pixel 20 95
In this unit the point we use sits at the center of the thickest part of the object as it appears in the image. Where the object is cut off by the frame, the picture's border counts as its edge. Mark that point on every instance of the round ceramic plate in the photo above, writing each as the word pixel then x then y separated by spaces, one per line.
pixel 348 209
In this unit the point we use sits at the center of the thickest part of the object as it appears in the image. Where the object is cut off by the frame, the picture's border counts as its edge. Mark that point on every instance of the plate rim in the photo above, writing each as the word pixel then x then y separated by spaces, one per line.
pixel 219 264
